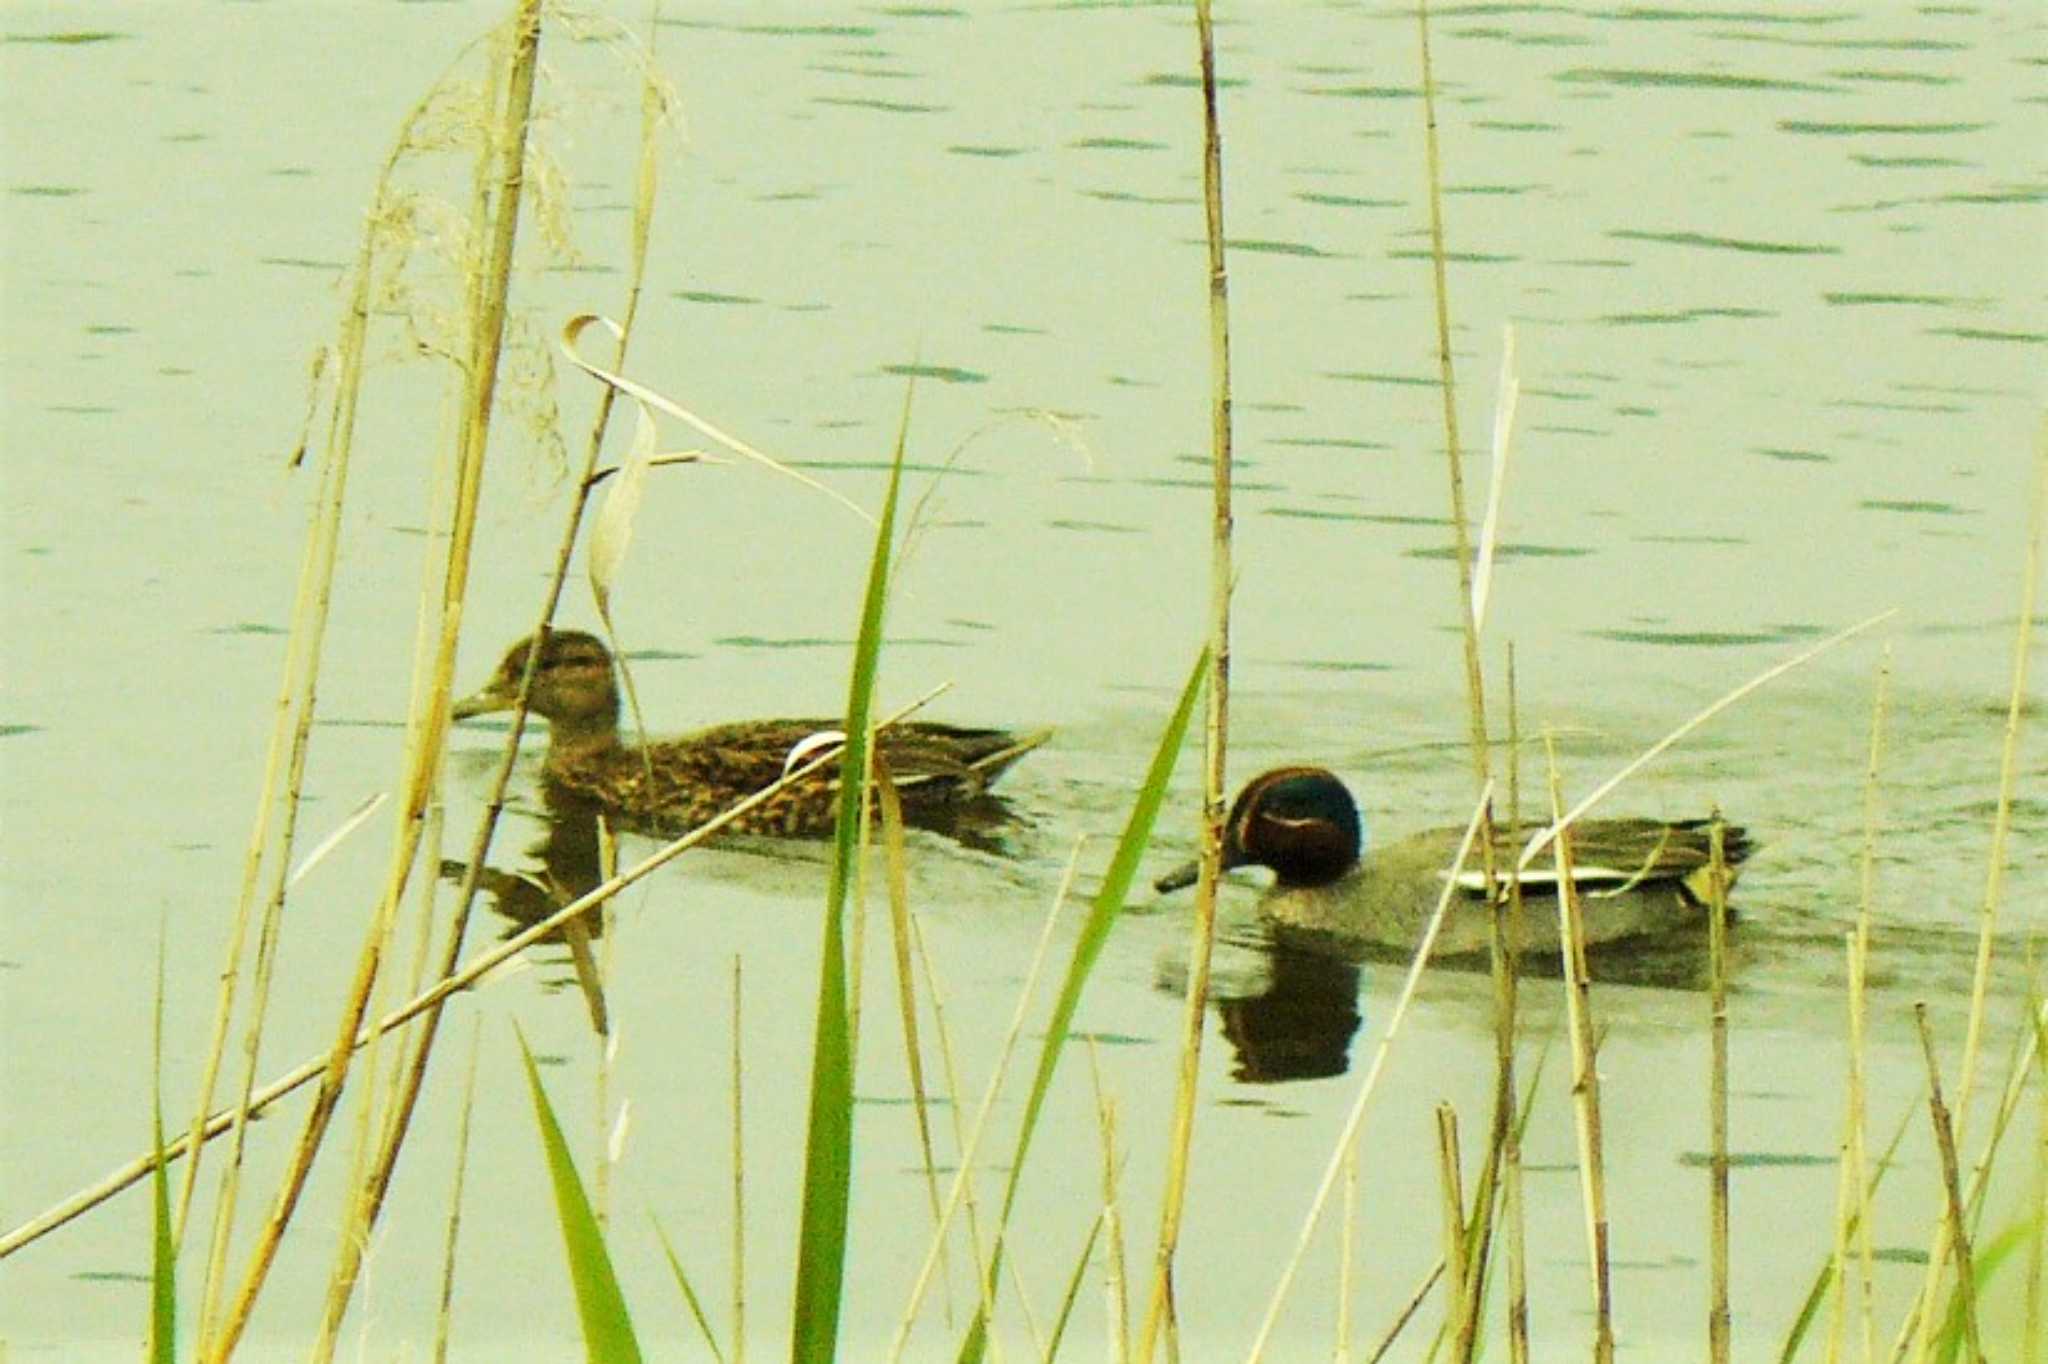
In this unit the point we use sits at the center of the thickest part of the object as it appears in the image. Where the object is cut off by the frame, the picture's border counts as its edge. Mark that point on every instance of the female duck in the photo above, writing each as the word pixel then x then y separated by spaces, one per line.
pixel 1636 878
pixel 670 786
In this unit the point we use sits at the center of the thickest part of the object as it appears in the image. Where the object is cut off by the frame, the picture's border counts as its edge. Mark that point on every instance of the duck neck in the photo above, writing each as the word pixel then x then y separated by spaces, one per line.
pixel 576 736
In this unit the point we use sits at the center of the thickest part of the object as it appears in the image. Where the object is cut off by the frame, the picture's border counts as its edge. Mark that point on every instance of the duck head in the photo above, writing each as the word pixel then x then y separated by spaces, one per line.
pixel 1300 821
pixel 573 686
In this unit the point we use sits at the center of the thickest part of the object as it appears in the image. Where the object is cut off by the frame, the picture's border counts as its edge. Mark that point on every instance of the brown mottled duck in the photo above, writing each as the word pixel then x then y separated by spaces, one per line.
pixel 671 786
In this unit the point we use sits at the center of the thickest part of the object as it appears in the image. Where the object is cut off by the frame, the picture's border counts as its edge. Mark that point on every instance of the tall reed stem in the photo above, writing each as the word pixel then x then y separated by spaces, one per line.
pixel 1216 721
pixel 1585 1073
pixel 425 743
pixel 1717 1089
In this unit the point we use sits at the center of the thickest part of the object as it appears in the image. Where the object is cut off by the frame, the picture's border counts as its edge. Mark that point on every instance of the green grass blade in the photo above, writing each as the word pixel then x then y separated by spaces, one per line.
pixel 163 1269
pixel 689 1293
pixel 607 1330
pixel 1948 1344
pixel 1109 901
pixel 828 1145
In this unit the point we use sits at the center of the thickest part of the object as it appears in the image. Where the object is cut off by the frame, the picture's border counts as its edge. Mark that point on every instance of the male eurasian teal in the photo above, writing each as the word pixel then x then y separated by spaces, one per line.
pixel 1636 878
pixel 670 786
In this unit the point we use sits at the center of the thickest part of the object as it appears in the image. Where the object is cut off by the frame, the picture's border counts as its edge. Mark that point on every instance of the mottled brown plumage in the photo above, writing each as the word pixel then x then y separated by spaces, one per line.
pixel 671 786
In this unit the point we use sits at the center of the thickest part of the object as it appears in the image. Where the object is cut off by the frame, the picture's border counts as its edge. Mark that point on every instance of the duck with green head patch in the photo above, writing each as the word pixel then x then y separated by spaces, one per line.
pixel 670 786
pixel 1636 878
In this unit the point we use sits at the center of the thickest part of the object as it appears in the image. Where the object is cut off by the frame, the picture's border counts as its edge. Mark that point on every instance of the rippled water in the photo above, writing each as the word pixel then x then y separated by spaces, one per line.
pixel 1776 280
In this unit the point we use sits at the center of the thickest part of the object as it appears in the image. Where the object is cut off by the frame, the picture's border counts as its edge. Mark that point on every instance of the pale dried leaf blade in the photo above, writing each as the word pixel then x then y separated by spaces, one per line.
pixel 812 746
pixel 1503 443
pixel 612 532
pixel 574 328
pixel 328 844
pixel 615 1147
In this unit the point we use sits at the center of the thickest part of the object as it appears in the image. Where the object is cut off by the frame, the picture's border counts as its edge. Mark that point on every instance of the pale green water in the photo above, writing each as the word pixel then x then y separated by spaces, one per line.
pixel 1776 279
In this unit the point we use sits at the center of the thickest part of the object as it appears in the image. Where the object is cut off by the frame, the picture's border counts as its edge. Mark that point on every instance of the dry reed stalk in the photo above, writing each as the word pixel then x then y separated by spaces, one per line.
pixel 1518 1276
pixel 2001 826
pixel 936 993
pixel 1451 1182
pixel 972 1145
pixel 1504 948
pixel 1406 1314
pixel 739 1178
pixel 897 866
pixel 1717 1090
pixel 1215 727
pixel 1116 1291
pixel 2027 1058
pixel 377 1186
pixel 1543 837
pixel 1475 688
pixel 1855 1175
pixel 430 725
pixel 1852 1210
pixel 295 707
pixel 2008 776
pixel 1508 999
pixel 444 1311
pixel 1347 1247
pixel 1355 1120
pixel 452 983
pixel 1585 1072
pixel 1958 1235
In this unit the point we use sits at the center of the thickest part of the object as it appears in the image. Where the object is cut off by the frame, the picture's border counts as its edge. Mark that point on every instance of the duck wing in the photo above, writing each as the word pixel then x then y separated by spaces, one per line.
pixel 1620 854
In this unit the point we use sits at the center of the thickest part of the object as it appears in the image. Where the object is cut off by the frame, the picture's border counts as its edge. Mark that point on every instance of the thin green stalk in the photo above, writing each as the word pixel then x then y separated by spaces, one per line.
pixel 968 1143
pixel 444 1313
pixel 739 1180
pixel 1102 914
pixel 162 1346
pixel 897 867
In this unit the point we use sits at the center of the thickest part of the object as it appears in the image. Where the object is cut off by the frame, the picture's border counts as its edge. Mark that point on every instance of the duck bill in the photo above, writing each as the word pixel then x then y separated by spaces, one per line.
pixel 480 703
pixel 1186 874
